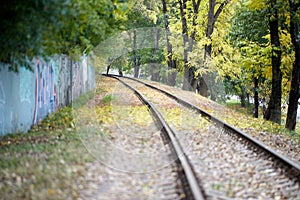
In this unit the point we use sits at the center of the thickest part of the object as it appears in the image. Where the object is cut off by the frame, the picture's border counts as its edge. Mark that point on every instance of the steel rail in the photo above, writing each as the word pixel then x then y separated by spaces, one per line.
pixel 188 171
pixel 290 163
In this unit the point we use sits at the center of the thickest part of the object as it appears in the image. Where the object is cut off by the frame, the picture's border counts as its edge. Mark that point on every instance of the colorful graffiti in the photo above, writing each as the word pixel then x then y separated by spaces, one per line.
pixel 63 84
pixel 25 85
pixel 34 95
pixel 59 82
pixel 45 91
pixel 2 103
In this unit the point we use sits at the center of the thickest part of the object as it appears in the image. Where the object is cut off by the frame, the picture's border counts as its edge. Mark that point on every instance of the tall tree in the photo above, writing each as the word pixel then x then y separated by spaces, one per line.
pixel 212 17
pixel 171 80
pixel 256 100
pixel 44 28
pixel 273 112
pixel 192 69
pixel 136 56
pixel 154 69
pixel 185 37
pixel 188 41
pixel 294 92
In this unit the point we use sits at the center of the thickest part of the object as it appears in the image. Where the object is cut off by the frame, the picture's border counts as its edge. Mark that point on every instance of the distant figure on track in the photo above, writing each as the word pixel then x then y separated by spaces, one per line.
pixel 120 72
pixel 107 69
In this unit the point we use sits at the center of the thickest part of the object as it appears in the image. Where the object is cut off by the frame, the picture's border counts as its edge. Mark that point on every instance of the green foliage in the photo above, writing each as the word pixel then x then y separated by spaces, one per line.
pixel 248 25
pixel 108 98
pixel 62 119
pixel 247 122
pixel 83 99
pixel 44 28
pixel 249 36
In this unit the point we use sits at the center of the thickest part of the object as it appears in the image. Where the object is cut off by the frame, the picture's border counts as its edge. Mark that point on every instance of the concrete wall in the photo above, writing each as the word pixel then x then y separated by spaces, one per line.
pixel 27 97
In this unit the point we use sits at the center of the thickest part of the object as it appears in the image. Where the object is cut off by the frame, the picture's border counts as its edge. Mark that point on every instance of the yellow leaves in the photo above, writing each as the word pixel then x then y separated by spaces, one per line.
pixel 51 192
pixel 114 114
pixel 256 4
pixel 287 63
pixel 153 17
pixel 174 116
pixel 205 41
pixel 267 71
pixel 286 85
pixel 140 115
pixel 104 114
pixel 182 118
pixel 287 58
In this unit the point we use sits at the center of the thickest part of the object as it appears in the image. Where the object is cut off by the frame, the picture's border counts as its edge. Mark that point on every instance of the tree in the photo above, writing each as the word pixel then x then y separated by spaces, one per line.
pixel 250 34
pixel 294 92
pixel 188 41
pixel 212 17
pixel 141 16
pixel 185 36
pixel 154 69
pixel 273 112
pixel 21 34
pixel 170 60
pixel 44 28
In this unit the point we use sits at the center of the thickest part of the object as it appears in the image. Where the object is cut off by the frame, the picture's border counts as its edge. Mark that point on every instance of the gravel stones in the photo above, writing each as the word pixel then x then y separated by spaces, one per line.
pixel 132 161
pixel 227 167
pixel 279 142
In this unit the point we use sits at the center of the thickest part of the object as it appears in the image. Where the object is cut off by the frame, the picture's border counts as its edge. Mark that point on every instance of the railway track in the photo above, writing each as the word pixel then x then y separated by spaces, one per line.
pixel 238 165
pixel 188 179
pixel 135 162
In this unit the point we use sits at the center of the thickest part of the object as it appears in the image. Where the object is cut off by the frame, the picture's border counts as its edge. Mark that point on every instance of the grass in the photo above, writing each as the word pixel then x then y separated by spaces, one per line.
pixel 41 165
pixel 49 161
pixel 246 120
pixel 108 98
pixel 44 163
pixel 83 99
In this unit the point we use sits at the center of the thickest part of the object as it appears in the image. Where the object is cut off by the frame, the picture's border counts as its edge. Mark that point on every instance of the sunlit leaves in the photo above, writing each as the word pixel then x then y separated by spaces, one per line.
pixel 255 5
pixel 250 36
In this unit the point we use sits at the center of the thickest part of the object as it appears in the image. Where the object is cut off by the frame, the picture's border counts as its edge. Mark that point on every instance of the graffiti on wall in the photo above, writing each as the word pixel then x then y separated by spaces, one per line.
pixel 41 92
pixel 76 81
pixel 63 81
pixel 45 91
pixel 25 85
pixel 2 103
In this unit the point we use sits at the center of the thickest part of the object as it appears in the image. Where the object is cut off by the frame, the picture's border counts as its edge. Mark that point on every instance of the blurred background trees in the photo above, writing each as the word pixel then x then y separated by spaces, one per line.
pixel 252 46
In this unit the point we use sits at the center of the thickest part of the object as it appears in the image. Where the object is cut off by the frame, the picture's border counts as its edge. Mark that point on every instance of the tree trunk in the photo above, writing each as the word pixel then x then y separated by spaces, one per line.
pixel 211 20
pixel 172 73
pixel 256 102
pixel 210 27
pixel 294 92
pixel 203 88
pixel 135 58
pixel 107 69
pixel 154 70
pixel 120 72
pixel 186 83
pixel 193 81
pixel 273 112
pixel 171 62
pixel 243 97
pixel 189 82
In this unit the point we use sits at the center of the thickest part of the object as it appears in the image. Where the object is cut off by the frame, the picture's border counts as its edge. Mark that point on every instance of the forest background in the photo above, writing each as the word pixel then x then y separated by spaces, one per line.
pixel 251 46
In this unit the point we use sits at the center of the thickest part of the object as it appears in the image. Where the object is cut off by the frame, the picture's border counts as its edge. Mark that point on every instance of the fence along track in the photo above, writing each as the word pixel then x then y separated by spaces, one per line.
pixel 293 166
pixel 192 188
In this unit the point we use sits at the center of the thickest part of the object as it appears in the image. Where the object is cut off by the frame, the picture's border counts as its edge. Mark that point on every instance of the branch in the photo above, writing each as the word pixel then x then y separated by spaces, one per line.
pixel 196 5
pixel 297 5
pixel 221 7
